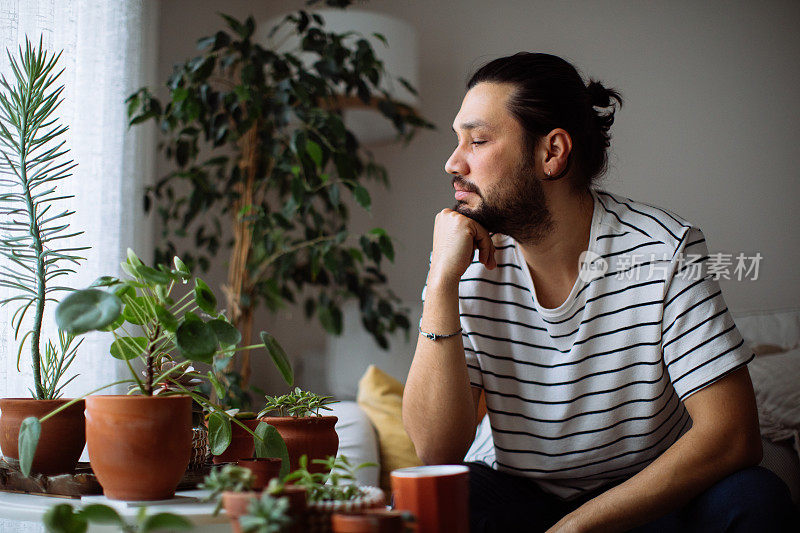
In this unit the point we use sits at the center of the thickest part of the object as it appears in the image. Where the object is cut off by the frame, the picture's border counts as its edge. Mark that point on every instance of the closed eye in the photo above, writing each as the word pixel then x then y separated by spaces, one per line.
pixel 477 142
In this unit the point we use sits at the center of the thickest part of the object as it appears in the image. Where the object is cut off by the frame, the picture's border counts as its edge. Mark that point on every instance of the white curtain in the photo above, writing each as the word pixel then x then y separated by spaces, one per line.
pixel 108 52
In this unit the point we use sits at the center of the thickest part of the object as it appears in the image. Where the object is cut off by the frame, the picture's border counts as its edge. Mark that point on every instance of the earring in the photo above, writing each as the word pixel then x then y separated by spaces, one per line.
pixel 549 172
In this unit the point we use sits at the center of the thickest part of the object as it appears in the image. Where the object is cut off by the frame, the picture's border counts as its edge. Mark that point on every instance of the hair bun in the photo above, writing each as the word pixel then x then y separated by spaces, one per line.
pixel 599 96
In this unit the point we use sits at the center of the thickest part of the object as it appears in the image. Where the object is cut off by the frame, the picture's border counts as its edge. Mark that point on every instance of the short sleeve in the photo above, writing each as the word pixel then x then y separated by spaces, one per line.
pixel 699 340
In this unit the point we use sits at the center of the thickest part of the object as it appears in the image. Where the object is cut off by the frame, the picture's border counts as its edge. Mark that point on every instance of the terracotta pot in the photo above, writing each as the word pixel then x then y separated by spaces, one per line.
pixel 236 503
pixel 263 469
pixel 61 441
pixel 242 445
pixel 139 446
pixel 314 436
pixel 368 521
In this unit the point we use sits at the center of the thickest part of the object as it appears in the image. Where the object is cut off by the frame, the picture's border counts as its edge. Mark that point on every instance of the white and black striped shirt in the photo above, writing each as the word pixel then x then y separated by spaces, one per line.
pixel 590 392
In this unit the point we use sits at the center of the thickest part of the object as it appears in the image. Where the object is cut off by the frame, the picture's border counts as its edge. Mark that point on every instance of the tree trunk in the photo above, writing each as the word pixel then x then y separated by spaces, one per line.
pixel 238 276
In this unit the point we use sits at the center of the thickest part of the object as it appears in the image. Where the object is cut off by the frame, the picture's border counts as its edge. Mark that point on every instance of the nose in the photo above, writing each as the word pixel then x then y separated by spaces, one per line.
pixel 456 163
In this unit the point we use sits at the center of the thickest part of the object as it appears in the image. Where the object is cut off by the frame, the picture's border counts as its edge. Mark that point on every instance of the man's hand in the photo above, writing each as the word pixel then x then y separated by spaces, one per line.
pixel 455 238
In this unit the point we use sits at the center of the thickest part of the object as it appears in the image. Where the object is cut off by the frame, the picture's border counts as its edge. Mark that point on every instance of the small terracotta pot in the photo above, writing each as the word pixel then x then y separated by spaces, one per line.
pixel 368 521
pixel 236 503
pixel 242 445
pixel 139 446
pixel 61 441
pixel 314 436
pixel 263 469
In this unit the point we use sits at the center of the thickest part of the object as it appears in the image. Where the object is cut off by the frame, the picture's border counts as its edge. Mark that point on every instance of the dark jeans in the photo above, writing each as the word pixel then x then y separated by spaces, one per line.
pixel 753 499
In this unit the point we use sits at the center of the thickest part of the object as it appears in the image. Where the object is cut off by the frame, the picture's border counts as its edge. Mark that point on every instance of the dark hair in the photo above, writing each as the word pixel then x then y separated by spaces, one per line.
pixel 551 94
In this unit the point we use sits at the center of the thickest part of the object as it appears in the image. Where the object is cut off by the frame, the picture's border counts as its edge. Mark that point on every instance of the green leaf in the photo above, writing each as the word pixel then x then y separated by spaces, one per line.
pixel 219 433
pixel 331 318
pixel 271 445
pixel 135 310
pixel 167 319
pixel 133 259
pixel 196 340
pixel 127 348
pixel 165 521
pixel 218 388
pixel 278 356
pixel 225 332
pixel 362 197
pixel 204 297
pixel 386 247
pixel 151 275
pixel 101 514
pixel 29 432
pixel 87 310
pixel 181 267
pixel 62 518
pixel 314 152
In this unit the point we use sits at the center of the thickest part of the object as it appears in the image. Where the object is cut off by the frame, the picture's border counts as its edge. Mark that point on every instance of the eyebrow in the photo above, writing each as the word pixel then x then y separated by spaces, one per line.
pixel 473 124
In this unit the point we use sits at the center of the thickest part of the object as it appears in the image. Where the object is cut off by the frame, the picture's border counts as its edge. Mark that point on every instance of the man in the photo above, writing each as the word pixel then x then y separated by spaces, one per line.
pixel 615 380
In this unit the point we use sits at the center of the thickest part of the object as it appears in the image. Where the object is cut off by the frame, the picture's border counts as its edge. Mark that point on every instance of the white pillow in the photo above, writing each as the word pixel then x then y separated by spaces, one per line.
pixel 357 440
pixel 482 449
pixel 776 381
pixel 770 327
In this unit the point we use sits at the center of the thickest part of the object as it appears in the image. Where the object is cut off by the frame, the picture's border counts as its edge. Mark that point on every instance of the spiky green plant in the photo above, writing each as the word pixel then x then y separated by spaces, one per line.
pixel 33 227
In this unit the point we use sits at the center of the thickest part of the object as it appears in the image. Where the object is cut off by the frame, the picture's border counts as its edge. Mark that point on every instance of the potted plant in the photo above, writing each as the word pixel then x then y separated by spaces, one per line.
pixel 232 487
pixel 33 223
pixel 297 416
pixel 333 490
pixel 262 153
pixel 166 333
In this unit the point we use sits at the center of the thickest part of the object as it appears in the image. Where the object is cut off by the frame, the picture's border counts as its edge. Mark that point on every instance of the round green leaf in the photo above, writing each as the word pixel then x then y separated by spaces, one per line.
pixel 167 319
pixel 196 340
pixel 270 444
pixel 101 514
pixel 225 332
pixel 165 522
pixel 219 433
pixel 62 518
pixel 28 439
pixel 278 356
pixel 204 297
pixel 87 310
pixel 127 348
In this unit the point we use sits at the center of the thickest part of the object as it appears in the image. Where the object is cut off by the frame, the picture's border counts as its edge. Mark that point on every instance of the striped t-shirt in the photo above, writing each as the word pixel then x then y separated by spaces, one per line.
pixel 590 392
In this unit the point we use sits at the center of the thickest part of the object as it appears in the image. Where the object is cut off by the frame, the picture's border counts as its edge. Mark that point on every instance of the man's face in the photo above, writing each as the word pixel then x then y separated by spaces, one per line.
pixel 493 170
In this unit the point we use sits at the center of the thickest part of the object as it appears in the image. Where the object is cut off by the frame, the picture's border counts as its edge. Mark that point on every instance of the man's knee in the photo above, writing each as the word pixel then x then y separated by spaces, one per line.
pixel 751 497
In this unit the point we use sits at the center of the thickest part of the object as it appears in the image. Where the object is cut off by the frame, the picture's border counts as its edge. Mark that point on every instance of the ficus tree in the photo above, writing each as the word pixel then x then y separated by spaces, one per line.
pixel 264 166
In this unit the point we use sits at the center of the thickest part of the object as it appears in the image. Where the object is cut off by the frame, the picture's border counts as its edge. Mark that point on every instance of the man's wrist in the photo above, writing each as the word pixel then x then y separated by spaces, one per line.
pixel 444 283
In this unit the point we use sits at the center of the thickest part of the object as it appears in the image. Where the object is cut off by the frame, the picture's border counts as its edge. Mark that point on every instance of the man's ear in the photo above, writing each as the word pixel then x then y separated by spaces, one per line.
pixel 556 147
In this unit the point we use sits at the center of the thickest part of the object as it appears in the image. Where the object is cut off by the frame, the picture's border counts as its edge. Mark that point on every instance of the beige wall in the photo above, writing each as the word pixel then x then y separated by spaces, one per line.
pixel 709 130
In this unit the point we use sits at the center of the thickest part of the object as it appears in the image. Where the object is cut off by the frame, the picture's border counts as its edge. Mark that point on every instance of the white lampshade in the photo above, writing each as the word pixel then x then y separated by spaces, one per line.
pixel 399 60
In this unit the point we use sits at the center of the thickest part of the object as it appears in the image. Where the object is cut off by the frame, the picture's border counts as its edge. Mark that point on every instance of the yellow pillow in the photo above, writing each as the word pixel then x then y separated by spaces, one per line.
pixel 380 396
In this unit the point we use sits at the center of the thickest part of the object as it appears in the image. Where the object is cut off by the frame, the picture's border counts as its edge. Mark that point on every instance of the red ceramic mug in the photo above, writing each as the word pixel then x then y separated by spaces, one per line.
pixel 437 496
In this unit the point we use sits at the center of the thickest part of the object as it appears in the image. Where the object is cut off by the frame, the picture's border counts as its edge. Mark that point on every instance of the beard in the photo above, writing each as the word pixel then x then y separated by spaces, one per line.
pixel 517 208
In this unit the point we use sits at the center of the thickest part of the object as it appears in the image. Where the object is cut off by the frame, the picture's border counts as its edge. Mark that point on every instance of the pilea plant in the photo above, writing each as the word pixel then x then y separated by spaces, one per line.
pixel 261 153
pixel 33 227
pixel 167 333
